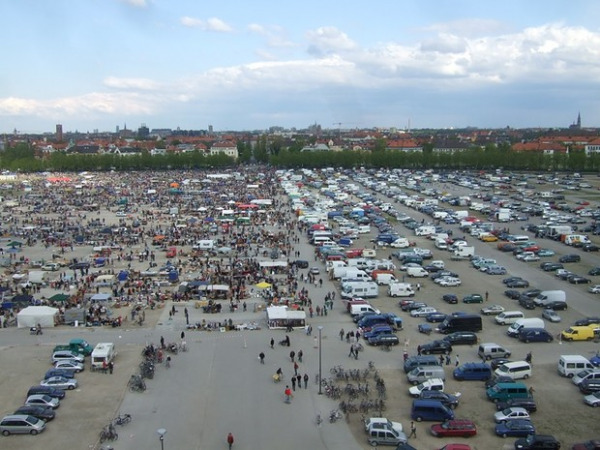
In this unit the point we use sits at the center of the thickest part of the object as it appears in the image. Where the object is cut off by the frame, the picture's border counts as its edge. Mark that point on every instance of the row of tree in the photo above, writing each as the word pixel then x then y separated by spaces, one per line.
pixel 270 151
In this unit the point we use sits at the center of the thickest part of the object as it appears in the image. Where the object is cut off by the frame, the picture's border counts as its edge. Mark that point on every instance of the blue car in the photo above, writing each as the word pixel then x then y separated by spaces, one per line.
pixel 515 428
pixel 435 317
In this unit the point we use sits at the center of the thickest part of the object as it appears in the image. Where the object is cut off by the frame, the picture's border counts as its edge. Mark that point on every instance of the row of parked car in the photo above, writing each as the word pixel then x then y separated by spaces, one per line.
pixel 42 400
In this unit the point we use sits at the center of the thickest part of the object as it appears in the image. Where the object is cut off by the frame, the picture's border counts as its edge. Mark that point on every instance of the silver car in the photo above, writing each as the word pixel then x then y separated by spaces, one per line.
pixel 42 400
pixel 551 315
pixel 60 383
pixel 21 424
pixel 69 364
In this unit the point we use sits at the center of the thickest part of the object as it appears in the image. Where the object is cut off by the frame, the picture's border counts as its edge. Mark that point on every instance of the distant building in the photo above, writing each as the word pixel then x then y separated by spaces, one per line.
pixel 577 124
pixel 592 147
pixel 59 132
pixel 227 147
pixel 143 131
pixel 315 148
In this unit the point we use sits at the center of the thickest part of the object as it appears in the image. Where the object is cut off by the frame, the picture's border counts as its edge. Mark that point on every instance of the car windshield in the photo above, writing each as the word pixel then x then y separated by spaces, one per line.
pixel 33 420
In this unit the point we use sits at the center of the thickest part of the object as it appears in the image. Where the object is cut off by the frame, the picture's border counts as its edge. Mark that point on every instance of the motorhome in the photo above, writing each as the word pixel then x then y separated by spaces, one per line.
pixel 102 355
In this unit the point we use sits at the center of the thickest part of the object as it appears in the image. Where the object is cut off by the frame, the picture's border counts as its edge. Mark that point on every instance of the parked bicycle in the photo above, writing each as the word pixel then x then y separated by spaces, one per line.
pixel 109 433
pixel 122 419
pixel 136 383
pixel 334 415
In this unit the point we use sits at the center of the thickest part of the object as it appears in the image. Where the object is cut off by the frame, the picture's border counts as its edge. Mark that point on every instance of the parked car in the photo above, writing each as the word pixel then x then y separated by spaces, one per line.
pixel 593 444
pixel 21 424
pixel 594 289
pixel 67 354
pixel 455 427
pixel 451 298
pixel 492 310
pixel 448 281
pixel 537 442
pixel 551 315
pixel 384 339
pixel 515 428
pixel 512 413
pixel 41 412
pixel 517 283
pixel 52 392
pixel 42 400
pixel 59 373
pixel 512 294
pixel 437 346
pixel 472 298
pixel 528 335
pixel 570 258
pixel 446 399
pixel 409 305
pixel 422 312
pixel 435 317
pixel 578 279
pixel 435 384
pixel 497 362
pixel 526 302
pixel 587 321
pixel 461 338
pixel 592 399
pixel 556 305
pixel 69 364
pixel 551 266
pixel 525 402
pixel 494 270
pixel 545 252
pixel 60 383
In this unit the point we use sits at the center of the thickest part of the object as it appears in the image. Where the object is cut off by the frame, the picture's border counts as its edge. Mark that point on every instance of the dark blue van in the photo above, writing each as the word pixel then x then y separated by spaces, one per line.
pixel 430 410
pixel 473 371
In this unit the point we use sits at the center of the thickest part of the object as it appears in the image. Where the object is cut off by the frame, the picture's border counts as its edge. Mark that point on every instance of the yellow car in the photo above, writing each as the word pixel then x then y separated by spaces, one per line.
pixel 489 238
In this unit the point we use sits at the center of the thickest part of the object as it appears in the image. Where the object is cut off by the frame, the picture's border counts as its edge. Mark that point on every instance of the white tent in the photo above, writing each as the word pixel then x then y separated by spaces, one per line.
pixel 32 315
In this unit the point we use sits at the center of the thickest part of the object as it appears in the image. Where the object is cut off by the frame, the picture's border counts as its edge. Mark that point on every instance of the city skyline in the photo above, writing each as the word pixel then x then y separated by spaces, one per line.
pixel 422 64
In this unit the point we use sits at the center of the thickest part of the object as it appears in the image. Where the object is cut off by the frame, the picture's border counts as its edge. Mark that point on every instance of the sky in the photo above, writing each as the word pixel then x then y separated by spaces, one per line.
pixel 237 65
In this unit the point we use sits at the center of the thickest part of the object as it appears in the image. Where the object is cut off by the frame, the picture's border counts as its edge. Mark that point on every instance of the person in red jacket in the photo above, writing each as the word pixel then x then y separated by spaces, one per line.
pixel 288 394
pixel 230 440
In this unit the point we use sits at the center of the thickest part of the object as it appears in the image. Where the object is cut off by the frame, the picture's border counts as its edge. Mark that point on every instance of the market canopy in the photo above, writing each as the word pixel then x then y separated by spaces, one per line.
pixel 59 298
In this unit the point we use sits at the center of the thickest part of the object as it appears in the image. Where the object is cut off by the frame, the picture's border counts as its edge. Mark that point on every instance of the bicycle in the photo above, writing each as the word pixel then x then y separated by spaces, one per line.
pixel 109 433
pixel 122 419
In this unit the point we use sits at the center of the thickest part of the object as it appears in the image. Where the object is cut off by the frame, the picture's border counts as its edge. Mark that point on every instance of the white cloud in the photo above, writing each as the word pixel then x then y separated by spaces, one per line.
pixel 212 24
pixel 144 84
pixel 329 40
pixel 136 3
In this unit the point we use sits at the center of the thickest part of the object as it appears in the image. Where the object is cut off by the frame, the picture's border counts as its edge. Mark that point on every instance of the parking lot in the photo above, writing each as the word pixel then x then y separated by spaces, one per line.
pixel 219 386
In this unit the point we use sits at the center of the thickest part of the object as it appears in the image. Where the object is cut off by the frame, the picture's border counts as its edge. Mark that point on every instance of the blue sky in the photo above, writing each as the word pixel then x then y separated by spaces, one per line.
pixel 98 64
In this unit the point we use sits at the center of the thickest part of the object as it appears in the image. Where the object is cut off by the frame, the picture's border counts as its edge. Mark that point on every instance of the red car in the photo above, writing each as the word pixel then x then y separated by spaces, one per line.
pixel 451 428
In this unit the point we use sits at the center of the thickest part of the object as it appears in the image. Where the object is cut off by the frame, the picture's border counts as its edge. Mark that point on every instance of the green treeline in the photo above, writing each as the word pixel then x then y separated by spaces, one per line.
pixel 23 158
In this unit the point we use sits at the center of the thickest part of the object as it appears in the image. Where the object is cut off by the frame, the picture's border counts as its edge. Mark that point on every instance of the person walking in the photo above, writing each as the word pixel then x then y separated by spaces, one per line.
pixel 299 381
pixel 342 334
pixel 419 350
pixel 306 378
pixel 111 366
pixel 447 359
pixel 293 382
pixel 272 342
pixel 300 355
pixel 457 361
pixel 296 368
pixel 487 295
pixel 261 356
pixel 230 440
pixel 288 394
pixel 351 354
pixel 413 430
pixel 187 316
pixel 528 358
pixel 292 355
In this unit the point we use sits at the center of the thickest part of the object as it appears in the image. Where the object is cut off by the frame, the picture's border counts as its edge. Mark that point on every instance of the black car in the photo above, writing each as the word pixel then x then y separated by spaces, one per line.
pixel 461 338
pixel 571 258
pixel 590 248
pixel 47 390
pixel 384 339
pixel 512 294
pixel 79 265
pixel 556 305
pixel 578 279
pixel 450 298
pixel 526 302
pixel 532 293
pixel 443 273
pixel 437 346
pixel 41 412
pixel 551 266
pixel 511 279
pixel 587 321
pixel 528 403
pixel 594 271
pixel 414 305
pixel 301 264
pixel 497 362
pixel 518 284
pixel 537 442
pixel 448 400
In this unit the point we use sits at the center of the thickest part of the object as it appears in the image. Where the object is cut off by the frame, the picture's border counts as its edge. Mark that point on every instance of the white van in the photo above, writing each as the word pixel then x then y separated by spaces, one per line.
pixel 417 272
pixel 491 350
pixel 356 310
pixel 104 352
pixel 425 230
pixel 363 289
pixel 509 317
pixel 441 244
pixel 515 370
pixel 400 290
pixel 571 365
pixel 385 278
pixel 546 297
pixel 205 244
pixel 519 324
